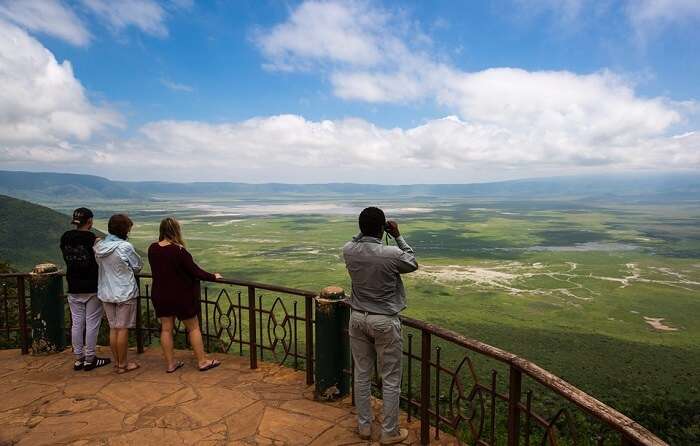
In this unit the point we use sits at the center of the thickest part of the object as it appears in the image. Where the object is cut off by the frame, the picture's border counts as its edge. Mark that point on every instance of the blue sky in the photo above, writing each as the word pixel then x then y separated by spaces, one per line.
pixel 362 91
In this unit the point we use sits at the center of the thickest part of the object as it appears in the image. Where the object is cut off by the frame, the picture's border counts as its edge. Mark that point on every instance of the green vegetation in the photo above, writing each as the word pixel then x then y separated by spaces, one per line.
pixel 29 233
pixel 604 295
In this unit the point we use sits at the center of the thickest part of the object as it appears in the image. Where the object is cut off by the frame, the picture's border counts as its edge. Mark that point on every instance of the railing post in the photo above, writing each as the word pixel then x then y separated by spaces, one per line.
pixel 332 345
pixel 48 310
pixel 205 326
pixel 22 307
pixel 252 332
pixel 425 387
pixel 437 393
pixel 139 321
pixel 309 335
pixel 514 393
pixel 409 393
pixel 493 407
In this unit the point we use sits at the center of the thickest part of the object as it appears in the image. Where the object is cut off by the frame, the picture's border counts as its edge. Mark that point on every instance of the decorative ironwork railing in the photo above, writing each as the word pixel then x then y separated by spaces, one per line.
pixel 260 320
pixel 481 394
pixel 245 317
pixel 488 396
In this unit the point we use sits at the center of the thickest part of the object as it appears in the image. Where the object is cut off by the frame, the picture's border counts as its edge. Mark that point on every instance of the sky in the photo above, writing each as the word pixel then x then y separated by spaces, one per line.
pixel 438 91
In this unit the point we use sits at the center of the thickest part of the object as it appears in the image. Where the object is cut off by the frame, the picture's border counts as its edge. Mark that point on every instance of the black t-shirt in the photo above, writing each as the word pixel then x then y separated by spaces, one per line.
pixel 80 261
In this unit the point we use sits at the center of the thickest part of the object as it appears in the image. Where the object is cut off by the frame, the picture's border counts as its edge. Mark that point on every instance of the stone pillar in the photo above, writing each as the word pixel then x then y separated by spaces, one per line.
pixel 47 318
pixel 333 365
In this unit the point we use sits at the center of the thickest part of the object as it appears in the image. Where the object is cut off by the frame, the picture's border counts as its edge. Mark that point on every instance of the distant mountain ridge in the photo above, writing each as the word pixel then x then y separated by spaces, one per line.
pixel 47 185
pixel 40 186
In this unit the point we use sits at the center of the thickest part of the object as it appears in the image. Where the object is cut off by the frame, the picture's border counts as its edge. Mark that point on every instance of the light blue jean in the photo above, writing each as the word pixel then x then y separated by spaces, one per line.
pixel 377 338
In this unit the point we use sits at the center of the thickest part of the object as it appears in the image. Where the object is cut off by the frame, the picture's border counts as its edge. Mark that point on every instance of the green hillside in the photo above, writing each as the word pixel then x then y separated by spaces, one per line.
pixel 29 233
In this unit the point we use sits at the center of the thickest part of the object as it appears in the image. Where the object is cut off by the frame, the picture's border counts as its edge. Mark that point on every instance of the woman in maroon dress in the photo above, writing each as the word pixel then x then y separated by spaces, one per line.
pixel 175 292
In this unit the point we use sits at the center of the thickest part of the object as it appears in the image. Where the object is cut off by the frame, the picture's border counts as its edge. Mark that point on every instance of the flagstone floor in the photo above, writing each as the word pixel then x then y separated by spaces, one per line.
pixel 43 401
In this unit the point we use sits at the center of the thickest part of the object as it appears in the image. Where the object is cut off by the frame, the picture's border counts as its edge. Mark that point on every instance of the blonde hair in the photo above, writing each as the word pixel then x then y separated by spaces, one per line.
pixel 170 229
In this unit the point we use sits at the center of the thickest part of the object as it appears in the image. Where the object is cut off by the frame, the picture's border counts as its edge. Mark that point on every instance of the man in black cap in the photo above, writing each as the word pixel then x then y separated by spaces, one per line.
pixel 81 274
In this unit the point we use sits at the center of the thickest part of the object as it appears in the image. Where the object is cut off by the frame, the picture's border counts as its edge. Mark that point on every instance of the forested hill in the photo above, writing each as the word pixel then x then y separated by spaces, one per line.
pixel 30 234
pixel 45 187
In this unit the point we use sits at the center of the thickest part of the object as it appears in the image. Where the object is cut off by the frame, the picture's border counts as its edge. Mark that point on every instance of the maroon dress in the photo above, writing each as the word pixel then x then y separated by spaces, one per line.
pixel 175 288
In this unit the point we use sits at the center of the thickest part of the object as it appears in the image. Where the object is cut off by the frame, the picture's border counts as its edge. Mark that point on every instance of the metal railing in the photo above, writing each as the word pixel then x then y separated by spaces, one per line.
pixel 258 319
pixel 253 318
pixel 471 406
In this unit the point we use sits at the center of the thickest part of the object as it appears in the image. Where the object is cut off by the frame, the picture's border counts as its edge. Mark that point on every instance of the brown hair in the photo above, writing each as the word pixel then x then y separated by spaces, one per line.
pixel 170 229
pixel 119 225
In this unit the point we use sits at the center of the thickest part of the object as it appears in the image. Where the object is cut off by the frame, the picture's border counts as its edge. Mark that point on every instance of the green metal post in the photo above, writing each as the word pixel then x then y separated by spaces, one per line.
pixel 332 363
pixel 47 316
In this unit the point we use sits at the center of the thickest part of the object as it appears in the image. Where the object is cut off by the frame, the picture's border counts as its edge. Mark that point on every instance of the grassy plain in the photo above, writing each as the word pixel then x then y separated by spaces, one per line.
pixel 565 284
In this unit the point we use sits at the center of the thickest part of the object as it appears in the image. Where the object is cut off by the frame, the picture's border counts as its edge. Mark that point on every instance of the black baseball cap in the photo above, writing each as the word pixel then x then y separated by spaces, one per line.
pixel 81 216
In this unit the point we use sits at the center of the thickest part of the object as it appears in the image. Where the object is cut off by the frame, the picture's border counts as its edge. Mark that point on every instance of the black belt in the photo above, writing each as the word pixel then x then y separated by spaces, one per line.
pixel 369 313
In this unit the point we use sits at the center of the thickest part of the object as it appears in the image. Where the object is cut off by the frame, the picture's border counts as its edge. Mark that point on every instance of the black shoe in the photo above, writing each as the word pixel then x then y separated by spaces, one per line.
pixel 97 362
pixel 78 364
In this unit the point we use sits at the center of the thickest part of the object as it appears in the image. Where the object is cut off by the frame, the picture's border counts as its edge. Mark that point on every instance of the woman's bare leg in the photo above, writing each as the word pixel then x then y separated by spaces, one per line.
pixel 122 347
pixel 113 339
pixel 166 340
pixel 195 336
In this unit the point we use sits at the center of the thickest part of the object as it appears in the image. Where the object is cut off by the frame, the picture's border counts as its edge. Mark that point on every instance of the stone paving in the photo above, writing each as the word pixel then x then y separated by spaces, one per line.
pixel 43 401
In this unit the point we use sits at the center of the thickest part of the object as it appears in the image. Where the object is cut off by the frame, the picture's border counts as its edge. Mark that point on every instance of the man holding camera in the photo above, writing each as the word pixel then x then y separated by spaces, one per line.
pixel 378 296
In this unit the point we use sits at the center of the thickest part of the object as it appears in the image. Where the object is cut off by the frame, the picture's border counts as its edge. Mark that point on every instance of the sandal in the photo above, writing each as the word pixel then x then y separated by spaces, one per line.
pixel 178 365
pixel 213 363
pixel 127 368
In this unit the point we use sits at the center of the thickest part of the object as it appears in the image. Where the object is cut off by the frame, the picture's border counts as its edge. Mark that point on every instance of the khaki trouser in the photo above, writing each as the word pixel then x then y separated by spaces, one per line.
pixel 377 338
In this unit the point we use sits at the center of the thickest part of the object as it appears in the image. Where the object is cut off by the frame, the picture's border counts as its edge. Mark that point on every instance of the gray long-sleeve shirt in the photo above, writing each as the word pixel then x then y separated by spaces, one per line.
pixel 375 271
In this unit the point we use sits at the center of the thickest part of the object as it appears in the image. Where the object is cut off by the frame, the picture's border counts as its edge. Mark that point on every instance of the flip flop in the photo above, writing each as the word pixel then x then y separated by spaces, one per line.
pixel 127 369
pixel 177 366
pixel 212 364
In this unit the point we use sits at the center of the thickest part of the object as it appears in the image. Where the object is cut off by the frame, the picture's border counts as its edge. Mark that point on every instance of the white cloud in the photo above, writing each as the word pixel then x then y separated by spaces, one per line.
pixel 504 119
pixel 57 19
pixel 379 87
pixel 42 104
pixel 596 110
pixel 275 144
pixel 363 47
pixel 645 17
pixel 651 15
pixel 175 86
pixel 506 115
pixel 342 32
pixel 146 15
pixel 49 17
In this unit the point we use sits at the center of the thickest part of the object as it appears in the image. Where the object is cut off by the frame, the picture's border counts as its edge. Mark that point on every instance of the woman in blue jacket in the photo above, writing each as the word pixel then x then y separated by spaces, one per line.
pixel 116 286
